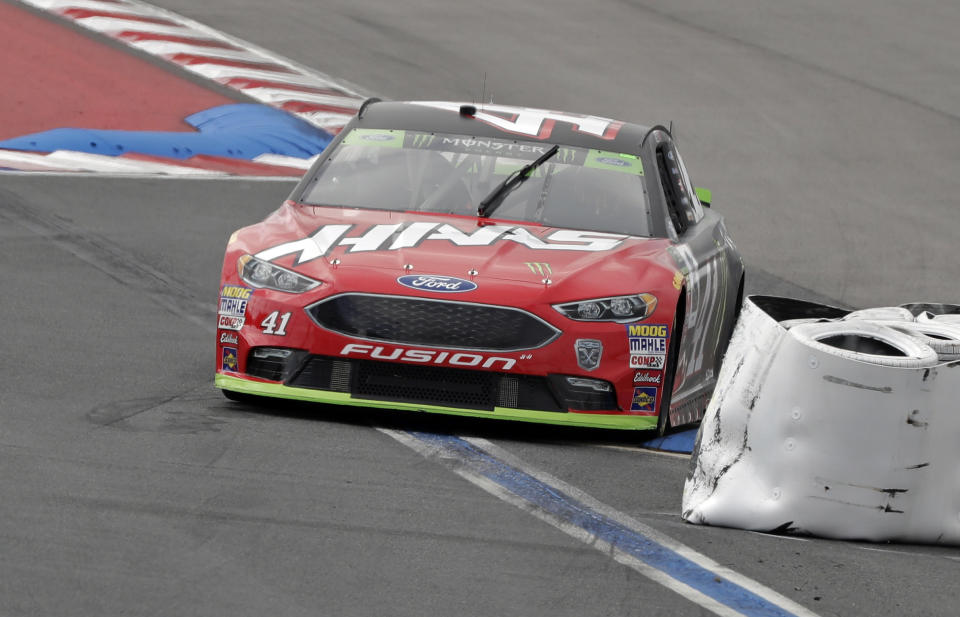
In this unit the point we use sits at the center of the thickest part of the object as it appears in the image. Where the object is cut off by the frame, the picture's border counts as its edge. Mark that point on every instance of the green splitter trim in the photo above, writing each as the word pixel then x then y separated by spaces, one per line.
pixel 276 390
pixel 614 161
pixel 376 138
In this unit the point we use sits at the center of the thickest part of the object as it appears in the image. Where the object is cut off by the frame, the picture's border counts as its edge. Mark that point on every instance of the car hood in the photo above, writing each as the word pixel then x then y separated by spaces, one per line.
pixel 339 243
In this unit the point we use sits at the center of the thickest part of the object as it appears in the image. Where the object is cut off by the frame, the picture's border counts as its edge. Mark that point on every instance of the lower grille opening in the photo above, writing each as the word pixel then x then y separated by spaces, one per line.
pixel 428 385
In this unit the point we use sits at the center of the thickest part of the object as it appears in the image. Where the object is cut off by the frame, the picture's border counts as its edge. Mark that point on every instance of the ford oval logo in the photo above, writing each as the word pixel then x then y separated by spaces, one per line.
pixel 433 282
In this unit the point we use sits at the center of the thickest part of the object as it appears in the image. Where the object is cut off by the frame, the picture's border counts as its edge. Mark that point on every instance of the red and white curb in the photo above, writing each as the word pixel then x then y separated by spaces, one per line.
pixel 232 62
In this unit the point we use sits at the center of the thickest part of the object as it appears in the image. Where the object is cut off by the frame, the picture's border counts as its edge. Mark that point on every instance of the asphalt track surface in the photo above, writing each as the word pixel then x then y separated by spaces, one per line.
pixel 830 138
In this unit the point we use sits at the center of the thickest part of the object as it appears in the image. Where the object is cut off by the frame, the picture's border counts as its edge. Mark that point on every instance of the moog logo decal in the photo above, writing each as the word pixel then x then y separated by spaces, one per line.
pixel 431 282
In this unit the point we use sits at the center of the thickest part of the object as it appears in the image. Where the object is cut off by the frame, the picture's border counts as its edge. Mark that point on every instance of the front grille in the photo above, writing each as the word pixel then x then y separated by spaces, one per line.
pixel 432 323
pixel 428 385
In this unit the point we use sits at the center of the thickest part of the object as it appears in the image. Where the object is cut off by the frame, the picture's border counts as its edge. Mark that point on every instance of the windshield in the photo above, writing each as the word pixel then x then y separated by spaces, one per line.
pixel 416 171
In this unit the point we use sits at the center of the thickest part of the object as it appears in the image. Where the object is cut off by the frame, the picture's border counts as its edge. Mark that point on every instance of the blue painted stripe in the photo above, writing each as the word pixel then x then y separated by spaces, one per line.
pixel 241 131
pixel 563 507
pixel 674 442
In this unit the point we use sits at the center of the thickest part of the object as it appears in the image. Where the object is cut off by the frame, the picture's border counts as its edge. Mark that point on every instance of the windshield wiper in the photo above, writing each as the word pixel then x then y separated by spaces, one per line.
pixel 492 201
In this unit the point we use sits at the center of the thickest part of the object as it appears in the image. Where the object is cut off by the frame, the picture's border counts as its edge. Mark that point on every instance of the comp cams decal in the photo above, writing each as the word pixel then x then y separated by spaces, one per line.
pixel 407 235
pixel 648 345
pixel 228 322
pixel 427 356
pixel 437 283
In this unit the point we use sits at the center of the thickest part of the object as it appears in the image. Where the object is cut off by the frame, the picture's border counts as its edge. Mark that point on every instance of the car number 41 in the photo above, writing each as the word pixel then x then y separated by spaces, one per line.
pixel 275 323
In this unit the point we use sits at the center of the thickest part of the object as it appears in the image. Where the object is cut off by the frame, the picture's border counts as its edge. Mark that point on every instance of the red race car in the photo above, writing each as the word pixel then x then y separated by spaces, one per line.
pixel 489 261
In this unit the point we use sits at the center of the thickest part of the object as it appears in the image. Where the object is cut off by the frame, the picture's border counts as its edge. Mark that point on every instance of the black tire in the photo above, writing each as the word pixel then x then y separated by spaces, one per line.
pixel 669 372
pixel 728 331
pixel 240 397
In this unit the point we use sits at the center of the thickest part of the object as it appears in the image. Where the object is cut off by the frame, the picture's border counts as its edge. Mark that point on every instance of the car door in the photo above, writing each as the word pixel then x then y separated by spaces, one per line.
pixel 700 252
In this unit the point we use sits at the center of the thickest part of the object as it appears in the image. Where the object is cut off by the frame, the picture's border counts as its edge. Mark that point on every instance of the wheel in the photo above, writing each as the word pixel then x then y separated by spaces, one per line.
pixel 240 397
pixel 669 372
pixel 943 337
pixel 724 342
pixel 864 341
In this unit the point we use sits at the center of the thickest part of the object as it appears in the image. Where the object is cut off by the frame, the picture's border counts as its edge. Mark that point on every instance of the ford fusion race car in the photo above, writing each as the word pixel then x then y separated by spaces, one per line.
pixel 487 261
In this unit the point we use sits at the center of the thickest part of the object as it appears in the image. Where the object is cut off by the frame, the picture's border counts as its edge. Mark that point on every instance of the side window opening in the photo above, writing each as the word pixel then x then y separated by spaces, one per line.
pixel 670 190
pixel 676 188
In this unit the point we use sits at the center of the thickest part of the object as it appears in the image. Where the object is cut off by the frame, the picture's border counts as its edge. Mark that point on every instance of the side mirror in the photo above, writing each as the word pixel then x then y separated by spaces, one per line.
pixel 704 195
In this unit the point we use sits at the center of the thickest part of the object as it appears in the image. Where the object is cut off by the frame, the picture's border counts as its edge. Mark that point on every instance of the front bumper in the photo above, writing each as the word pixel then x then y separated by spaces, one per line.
pixel 244 385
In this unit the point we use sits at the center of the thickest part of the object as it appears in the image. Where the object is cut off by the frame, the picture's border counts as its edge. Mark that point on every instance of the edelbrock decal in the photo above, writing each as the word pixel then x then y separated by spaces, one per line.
pixel 407 235
pixel 433 282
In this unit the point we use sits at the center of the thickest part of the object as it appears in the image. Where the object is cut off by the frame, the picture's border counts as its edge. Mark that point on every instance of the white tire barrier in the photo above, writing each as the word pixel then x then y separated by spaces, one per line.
pixel 806 434
pixel 882 313
pixel 942 336
pixel 872 343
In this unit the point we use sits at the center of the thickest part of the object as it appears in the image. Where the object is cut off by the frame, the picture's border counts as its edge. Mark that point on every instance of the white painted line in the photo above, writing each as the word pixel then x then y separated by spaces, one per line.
pixel 488 475
pixel 115 24
pixel 219 72
pixel 99 162
pixel 168 48
pixel 143 176
pixel 324 120
pixel 278 95
pixel 286 161
pixel 92 5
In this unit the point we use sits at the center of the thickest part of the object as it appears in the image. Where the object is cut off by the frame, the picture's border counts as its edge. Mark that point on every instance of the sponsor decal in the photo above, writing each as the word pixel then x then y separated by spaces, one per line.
pixel 651 362
pixel 647 341
pixel 433 282
pixel 678 280
pixel 235 291
pixel 644 400
pixel 647 377
pixel 228 322
pixel 227 337
pixel 228 360
pixel 233 307
pixel 397 236
pixel 589 352
pixel 537 123
pixel 275 323
pixel 427 356
pixel 608 160
pixel 539 267
pixel 648 345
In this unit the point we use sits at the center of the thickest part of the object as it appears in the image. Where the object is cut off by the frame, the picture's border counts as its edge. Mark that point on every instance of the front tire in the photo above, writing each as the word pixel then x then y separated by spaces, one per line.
pixel 670 371
pixel 240 397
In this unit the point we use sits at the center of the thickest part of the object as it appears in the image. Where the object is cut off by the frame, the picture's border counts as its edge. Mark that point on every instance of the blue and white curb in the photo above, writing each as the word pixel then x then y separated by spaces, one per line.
pixel 660 558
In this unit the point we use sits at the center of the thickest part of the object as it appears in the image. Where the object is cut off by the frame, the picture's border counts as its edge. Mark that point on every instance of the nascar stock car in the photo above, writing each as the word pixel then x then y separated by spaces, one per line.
pixel 489 261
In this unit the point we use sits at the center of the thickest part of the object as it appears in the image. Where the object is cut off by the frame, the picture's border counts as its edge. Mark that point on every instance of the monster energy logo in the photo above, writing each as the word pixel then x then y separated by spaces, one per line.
pixel 422 140
pixel 539 267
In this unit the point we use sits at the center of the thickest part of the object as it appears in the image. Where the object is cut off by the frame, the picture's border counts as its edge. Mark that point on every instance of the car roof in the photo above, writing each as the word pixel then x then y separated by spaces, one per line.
pixel 505 122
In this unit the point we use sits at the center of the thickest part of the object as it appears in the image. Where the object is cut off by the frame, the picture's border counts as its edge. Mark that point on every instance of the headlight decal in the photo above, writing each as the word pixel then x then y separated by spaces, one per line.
pixel 621 309
pixel 265 275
